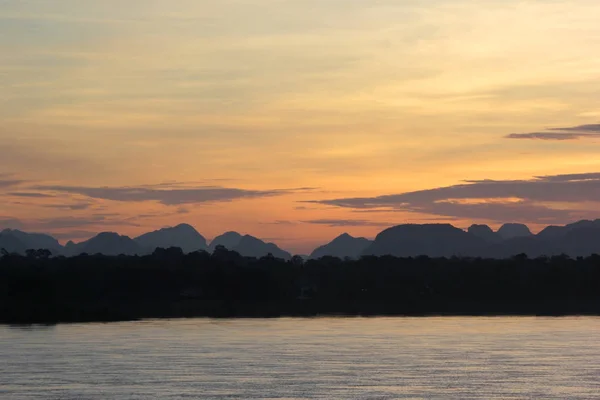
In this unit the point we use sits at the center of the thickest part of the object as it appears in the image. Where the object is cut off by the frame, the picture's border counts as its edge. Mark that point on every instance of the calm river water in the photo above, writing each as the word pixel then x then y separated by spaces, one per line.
pixel 325 358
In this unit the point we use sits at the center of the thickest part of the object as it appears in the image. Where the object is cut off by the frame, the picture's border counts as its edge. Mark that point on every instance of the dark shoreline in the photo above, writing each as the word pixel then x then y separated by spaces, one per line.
pixel 19 322
pixel 120 314
pixel 169 284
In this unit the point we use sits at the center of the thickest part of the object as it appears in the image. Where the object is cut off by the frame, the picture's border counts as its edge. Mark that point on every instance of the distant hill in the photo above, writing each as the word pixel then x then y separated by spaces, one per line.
pixel 484 232
pixel 343 246
pixel 229 240
pixel 580 238
pixel 433 240
pixel 34 240
pixel 511 231
pixel 183 236
pixel 250 246
pixel 11 244
pixel 107 243
pixel 557 232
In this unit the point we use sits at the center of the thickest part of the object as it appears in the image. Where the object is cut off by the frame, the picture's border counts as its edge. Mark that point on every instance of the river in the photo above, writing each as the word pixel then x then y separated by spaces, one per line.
pixel 321 358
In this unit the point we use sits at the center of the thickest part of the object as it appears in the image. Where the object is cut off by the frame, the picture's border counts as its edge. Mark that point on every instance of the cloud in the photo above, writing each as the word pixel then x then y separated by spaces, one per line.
pixel 580 128
pixel 31 194
pixel 10 223
pixel 50 224
pixel 553 135
pixel 590 176
pixel 76 234
pixel 57 226
pixel 167 196
pixel 590 131
pixel 279 222
pixel 5 183
pixel 347 222
pixel 519 200
pixel 73 207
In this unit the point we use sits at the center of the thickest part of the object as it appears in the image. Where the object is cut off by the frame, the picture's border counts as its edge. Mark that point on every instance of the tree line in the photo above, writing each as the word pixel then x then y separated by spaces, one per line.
pixel 39 288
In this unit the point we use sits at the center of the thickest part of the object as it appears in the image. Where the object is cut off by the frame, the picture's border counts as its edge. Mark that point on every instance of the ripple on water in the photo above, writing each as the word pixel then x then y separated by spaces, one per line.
pixel 323 358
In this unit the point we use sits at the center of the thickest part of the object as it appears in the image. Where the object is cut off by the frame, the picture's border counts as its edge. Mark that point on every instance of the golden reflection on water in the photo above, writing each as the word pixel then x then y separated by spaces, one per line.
pixel 324 358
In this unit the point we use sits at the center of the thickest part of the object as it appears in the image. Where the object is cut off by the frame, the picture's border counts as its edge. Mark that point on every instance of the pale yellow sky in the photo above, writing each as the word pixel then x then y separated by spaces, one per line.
pixel 287 101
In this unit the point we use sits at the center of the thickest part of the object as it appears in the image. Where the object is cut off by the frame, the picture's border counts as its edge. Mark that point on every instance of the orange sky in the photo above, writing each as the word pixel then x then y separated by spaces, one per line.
pixel 288 103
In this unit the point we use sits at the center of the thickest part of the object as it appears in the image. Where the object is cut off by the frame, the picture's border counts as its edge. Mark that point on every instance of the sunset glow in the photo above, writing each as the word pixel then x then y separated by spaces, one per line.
pixel 297 120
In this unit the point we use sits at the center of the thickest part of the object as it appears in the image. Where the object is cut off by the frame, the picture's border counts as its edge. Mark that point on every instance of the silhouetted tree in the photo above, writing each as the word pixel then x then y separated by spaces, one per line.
pixel 168 283
pixel 39 253
pixel 297 261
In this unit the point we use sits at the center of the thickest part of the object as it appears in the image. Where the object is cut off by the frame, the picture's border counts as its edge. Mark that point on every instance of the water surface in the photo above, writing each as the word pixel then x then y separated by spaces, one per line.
pixel 324 358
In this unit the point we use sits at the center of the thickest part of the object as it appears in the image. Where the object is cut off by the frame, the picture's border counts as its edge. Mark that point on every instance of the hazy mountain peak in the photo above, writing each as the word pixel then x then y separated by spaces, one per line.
pixel 434 240
pixel 107 243
pixel 228 239
pixel 421 229
pixel 11 243
pixel 479 228
pixel 484 232
pixel 106 235
pixel 251 246
pixel 513 230
pixel 342 246
pixel 184 227
pixel 183 236
pixel 557 232
pixel 35 240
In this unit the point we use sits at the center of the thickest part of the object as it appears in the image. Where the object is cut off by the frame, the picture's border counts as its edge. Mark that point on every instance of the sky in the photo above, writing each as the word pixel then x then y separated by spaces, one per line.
pixel 297 120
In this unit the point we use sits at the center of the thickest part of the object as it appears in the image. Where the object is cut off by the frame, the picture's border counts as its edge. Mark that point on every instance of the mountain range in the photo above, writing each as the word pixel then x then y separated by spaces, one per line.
pixel 581 238
pixel 343 246
pixel 183 236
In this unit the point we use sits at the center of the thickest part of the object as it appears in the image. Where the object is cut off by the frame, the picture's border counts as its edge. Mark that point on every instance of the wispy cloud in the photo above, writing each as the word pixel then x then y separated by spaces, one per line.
pixel 553 136
pixel 31 194
pixel 59 224
pixel 590 131
pixel 580 128
pixel 77 234
pixel 72 207
pixel 347 222
pixel 519 200
pixel 280 222
pixel 167 196
pixel 6 183
pixel 50 224
pixel 9 222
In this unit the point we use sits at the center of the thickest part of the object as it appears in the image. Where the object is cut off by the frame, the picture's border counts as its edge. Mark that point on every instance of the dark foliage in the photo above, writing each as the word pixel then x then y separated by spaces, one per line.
pixel 42 289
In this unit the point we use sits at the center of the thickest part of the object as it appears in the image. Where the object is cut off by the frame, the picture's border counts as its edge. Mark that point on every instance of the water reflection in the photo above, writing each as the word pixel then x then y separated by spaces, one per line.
pixel 31 327
pixel 409 358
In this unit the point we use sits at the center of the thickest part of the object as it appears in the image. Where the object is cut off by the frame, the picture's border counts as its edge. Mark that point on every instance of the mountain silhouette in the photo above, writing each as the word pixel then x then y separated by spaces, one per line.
pixel 247 245
pixel 557 232
pixel 107 243
pixel 512 230
pixel 433 240
pixel 342 246
pixel 250 246
pixel 33 240
pixel 11 244
pixel 183 236
pixel 229 240
pixel 484 232
pixel 580 238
